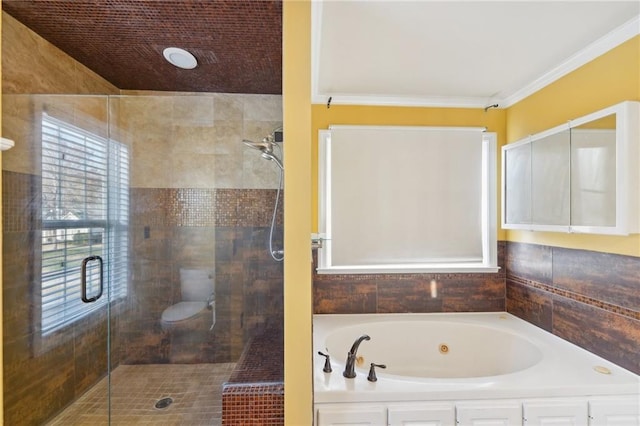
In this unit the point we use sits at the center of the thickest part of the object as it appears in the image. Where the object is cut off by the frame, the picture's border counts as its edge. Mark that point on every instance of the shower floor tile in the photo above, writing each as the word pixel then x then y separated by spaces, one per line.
pixel 196 390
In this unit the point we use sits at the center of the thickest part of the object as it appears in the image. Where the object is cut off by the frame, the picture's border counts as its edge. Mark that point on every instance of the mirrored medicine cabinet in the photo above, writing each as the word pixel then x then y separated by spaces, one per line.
pixel 579 177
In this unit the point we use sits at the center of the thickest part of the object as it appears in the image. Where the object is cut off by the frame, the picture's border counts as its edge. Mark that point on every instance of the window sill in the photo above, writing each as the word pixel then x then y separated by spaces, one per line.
pixel 410 269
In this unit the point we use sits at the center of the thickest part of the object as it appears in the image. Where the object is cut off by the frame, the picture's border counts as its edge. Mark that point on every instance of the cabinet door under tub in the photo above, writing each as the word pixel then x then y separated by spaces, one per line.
pixel 614 411
pixel 351 415
pixel 489 413
pixel 555 412
pixel 423 414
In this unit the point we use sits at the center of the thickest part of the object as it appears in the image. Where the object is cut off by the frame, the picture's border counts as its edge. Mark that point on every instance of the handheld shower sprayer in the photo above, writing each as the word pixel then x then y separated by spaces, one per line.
pixel 273 158
pixel 266 147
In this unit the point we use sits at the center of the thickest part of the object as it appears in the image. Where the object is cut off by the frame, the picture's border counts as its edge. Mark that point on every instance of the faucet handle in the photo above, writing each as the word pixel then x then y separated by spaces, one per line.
pixel 372 372
pixel 327 362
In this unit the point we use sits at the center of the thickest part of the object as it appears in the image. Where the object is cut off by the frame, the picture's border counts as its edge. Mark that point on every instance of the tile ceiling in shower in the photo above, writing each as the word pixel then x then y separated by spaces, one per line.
pixel 238 43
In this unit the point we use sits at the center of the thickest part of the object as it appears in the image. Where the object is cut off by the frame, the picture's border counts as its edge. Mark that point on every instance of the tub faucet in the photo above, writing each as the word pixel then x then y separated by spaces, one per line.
pixel 349 369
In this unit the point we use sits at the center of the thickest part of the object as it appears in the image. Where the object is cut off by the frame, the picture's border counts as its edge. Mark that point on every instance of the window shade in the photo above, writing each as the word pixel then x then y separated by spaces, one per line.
pixel 405 195
pixel 85 207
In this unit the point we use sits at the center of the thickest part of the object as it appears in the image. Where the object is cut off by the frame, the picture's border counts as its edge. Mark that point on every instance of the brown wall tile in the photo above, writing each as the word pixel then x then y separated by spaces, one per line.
pixel 182 227
pixel 591 301
pixel 609 278
pixel 502 257
pixel 409 295
pixel 604 333
pixel 337 296
pixel 529 261
pixel 530 304
pixel 399 293
pixel 473 293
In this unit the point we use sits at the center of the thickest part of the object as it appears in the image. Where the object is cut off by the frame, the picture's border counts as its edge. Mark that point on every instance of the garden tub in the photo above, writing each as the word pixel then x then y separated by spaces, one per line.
pixel 456 356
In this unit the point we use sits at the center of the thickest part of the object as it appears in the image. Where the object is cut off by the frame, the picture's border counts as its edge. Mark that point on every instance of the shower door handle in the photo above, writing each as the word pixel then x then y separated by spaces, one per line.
pixel 85 261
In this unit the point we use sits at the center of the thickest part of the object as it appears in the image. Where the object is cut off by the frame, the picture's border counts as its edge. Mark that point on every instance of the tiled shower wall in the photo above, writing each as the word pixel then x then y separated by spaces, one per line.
pixel 199 199
pixel 225 229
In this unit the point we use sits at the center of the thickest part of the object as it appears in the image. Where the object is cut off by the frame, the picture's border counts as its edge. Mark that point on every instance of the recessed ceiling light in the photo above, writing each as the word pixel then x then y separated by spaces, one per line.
pixel 180 58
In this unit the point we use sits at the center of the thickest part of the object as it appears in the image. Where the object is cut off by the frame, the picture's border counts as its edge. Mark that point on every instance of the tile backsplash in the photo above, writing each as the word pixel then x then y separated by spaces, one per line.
pixel 589 298
pixel 399 293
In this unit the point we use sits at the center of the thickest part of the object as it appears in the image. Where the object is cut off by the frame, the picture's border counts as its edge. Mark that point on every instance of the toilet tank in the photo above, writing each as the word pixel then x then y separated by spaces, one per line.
pixel 196 284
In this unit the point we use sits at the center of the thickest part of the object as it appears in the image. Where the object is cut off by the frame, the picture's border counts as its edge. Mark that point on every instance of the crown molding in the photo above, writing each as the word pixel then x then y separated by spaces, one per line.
pixel 408 101
pixel 599 47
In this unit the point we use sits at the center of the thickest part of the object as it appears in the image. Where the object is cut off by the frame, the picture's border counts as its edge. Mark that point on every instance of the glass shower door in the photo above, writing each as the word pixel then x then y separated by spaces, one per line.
pixel 65 244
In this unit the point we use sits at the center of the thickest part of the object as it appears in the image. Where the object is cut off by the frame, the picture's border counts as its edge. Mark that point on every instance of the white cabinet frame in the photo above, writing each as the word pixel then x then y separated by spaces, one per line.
pixel 627 174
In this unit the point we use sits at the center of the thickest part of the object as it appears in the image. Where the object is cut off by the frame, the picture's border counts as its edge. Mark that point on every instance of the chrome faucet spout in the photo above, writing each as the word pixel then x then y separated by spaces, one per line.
pixel 349 368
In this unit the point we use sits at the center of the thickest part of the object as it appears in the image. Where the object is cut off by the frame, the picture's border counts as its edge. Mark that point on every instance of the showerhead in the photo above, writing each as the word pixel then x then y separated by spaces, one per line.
pixel 263 146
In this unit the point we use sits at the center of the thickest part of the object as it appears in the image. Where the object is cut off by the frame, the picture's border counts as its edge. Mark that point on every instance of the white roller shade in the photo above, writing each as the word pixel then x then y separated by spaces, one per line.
pixel 404 195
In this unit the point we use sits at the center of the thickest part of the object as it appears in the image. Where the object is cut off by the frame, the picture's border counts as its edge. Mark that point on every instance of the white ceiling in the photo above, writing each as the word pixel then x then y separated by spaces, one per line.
pixel 457 53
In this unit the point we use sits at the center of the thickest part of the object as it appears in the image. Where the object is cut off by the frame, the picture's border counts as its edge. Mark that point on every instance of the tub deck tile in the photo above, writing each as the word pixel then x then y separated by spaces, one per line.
pixel 254 394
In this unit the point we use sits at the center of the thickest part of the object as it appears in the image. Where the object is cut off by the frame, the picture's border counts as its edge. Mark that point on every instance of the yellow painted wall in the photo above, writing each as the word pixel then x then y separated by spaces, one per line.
pixel 298 401
pixel 1 302
pixel 323 117
pixel 609 79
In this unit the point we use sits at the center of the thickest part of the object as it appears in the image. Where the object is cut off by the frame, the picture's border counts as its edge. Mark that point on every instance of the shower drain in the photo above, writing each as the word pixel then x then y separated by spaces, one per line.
pixel 163 403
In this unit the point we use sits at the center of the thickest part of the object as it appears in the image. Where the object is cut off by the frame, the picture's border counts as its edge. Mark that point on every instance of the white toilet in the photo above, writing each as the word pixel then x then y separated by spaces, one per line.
pixel 197 287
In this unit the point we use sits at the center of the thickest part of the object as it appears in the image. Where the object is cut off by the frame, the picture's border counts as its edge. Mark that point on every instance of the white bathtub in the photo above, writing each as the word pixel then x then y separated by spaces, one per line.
pixel 462 356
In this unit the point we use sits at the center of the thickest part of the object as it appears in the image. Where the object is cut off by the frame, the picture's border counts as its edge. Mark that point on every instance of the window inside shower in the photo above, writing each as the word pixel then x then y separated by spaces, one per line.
pixel 82 174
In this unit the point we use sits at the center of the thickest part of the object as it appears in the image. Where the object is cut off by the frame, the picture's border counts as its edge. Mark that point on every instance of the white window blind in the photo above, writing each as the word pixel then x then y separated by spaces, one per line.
pixel 405 198
pixel 85 209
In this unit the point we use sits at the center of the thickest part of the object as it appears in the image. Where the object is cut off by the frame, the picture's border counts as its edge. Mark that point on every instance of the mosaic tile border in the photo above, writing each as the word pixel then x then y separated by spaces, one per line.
pixel 205 207
pixel 21 203
pixel 577 297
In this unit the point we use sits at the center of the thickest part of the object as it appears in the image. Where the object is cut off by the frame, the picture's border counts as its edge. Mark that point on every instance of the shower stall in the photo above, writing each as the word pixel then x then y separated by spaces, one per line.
pixel 112 207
